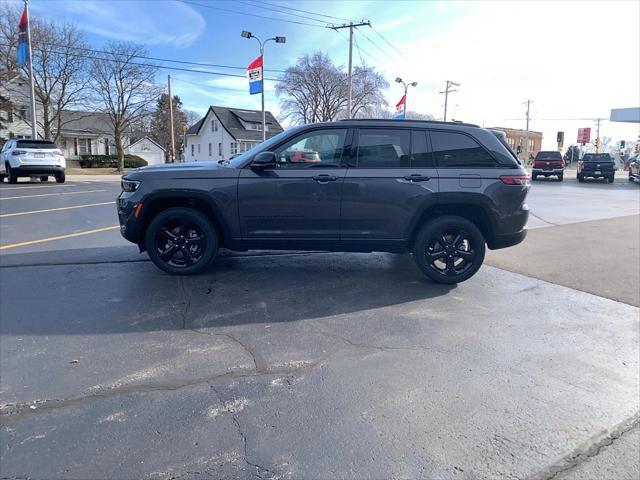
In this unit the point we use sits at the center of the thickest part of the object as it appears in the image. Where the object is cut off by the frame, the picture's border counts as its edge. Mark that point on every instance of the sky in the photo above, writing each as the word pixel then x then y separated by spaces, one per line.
pixel 574 60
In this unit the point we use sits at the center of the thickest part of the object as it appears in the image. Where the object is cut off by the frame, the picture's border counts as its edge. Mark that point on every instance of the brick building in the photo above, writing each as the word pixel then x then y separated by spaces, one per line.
pixel 518 138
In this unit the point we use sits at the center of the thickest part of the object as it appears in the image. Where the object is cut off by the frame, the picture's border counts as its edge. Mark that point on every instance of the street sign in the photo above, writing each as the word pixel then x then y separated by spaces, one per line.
pixel 584 135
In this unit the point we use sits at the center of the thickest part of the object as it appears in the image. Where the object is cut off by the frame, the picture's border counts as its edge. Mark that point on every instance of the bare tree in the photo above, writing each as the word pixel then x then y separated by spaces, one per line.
pixel 59 65
pixel 315 90
pixel 125 87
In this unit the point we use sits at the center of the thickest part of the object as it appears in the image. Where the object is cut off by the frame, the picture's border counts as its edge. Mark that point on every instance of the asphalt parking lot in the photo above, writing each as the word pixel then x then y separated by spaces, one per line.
pixel 319 365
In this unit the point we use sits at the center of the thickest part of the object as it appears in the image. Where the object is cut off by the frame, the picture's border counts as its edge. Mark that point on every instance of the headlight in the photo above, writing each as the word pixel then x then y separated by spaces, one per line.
pixel 129 185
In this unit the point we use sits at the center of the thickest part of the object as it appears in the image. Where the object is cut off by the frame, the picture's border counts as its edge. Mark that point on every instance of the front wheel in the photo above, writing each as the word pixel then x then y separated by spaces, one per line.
pixel 181 241
pixel 449 249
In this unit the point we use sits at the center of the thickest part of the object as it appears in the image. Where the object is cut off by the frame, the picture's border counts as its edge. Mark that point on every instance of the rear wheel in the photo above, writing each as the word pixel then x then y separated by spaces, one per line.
pixel 612 178
pixel 11 175
pixel 534 177
pixel 181 241
pixel 449 249
pixel 61 177
pixel 580 178
pixel 560 177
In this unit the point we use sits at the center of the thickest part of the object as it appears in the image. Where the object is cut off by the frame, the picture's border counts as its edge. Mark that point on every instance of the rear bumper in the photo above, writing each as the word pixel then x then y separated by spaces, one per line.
pixel 553 171
pixel 602 174
pixel 28 170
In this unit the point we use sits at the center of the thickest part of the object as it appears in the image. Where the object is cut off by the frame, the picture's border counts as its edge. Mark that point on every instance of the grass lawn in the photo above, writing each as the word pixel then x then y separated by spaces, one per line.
pixel 94 171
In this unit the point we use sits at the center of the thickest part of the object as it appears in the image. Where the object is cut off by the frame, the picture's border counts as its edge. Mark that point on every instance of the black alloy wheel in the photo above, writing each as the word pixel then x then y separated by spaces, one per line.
pixel 449 249
pixel 181 241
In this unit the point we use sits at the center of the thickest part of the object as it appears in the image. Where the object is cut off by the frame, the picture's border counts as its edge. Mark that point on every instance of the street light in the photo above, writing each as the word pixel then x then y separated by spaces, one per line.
pixel 246 34
pixel 406 87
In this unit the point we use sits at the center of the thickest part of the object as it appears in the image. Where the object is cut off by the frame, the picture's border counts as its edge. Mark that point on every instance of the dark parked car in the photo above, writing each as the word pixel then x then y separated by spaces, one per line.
pixel 596 165
pixel 439 190
pixel 634 169
pixel 548 164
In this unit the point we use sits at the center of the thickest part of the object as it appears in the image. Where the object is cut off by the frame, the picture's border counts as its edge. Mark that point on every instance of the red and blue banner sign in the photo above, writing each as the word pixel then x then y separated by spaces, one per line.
pixel 401 107
pixel 23 39
pixel 254 74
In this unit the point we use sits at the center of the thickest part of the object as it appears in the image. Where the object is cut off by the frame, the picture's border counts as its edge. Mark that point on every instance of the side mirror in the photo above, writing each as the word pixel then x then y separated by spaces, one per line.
pixel 264 160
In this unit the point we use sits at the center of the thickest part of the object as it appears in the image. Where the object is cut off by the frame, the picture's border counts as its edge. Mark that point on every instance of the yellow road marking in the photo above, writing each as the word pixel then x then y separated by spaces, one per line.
pixel 52 194
pixel 55 209
pixel 59 237
pixel 6 189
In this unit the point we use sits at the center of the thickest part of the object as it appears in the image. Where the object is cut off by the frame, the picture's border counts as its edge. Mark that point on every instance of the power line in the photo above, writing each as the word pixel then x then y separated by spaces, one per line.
pixel 252 14
pixel 359 48
pixel 312 13
pixel 388 42
pixel 375 44
pixel 257 4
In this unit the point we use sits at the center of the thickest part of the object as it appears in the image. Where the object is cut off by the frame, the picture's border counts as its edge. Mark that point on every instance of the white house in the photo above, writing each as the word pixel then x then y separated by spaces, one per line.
pixel 223 132
pixel 148 149
pixel 16 121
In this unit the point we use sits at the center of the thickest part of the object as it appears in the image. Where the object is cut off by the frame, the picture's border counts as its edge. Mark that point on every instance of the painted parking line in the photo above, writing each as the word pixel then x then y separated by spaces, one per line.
pixel 59 237
pixel 17 214
pixel 6 189
pixel 52 194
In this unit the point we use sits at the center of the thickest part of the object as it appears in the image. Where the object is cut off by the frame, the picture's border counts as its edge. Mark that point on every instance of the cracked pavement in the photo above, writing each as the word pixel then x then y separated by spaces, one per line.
pixel 317 365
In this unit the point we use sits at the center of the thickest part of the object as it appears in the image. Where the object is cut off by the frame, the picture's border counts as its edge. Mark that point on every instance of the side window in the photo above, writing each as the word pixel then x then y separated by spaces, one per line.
pixel 456 150
pixel 383 148
pixel 421 157
pixel 313 148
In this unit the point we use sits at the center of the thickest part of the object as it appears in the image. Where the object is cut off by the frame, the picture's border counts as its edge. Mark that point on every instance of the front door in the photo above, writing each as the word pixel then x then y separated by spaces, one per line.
pixel 391 177
pixel 300 198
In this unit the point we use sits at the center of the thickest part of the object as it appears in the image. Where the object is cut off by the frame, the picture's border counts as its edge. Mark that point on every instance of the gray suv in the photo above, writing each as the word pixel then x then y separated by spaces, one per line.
pixel 442 191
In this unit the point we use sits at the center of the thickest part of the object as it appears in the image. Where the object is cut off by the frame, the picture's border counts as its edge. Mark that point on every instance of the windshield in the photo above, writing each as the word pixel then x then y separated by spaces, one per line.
pixel 264 146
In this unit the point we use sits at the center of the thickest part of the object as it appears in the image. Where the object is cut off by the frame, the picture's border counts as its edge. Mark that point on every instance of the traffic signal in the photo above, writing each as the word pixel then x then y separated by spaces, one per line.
pixel 597 143
pixel 560 139
pixel 622 144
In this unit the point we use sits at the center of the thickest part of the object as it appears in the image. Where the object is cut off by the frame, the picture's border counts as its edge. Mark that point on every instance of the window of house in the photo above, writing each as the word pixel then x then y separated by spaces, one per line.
pixel 106 146
pixel 213 125
pixel 220 149
pixel 234 148
pixel 10 116
pixel 89 146
pixel 192 147
pixel 456 150
pixel 198 148
pixel 532 144
pixel 313 148
pixel 210 150
pixel 383 148
pixel 22 113
pixel 83 146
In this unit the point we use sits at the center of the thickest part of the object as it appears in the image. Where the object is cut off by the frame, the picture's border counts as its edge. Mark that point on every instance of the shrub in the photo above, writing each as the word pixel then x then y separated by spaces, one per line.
pixel 110 161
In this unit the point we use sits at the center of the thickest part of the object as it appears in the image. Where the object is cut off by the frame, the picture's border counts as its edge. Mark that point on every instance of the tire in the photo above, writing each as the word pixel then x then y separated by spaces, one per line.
pixel 171 231
pixel 61 177
pixel 428 249
pixel 13 178
pixel 560 177
pixel 580 178
pixel 534 177
pixel 612 178
pixel 44 178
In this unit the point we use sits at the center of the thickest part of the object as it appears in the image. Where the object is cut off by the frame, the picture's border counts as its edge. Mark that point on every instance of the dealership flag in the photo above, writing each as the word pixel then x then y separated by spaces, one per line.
pixel 23 39
pixel 254 74
pixel 400 108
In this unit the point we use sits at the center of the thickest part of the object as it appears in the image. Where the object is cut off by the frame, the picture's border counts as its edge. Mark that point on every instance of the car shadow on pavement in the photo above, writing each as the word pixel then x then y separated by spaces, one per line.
pixel 104 298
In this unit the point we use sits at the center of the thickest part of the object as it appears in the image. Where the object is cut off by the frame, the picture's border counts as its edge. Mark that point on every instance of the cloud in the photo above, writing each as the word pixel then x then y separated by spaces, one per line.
pixel 166 23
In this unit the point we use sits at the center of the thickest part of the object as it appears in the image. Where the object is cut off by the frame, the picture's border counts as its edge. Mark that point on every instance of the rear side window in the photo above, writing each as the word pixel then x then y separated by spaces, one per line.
pixel 456 150
pixel 554 155
pixel 383 148
pixel 420 155
pixel 36 144
pixel 597 157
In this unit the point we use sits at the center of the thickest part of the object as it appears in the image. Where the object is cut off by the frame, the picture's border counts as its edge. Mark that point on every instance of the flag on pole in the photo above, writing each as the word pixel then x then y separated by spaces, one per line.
pixel 254 74
pixel 400 108
pixel 23 39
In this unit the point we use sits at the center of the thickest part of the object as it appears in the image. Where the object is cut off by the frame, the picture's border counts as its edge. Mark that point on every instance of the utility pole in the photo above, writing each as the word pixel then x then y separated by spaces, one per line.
pixel 526 145
pixel 598 135
pixel 172 154
pixel 350 26
pixel 447 91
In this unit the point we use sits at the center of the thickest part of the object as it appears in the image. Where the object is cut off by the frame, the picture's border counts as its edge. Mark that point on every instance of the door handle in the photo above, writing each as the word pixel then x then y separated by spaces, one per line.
pixel 323 178
pixel 416 177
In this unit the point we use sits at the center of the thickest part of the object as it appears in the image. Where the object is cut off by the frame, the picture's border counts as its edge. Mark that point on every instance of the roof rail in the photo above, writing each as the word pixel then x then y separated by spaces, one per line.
pixel 438 122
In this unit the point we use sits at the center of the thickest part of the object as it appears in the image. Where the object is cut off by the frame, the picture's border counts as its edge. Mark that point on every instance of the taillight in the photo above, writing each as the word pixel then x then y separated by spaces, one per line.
pixel 19 152
pixel 515 179
pixel 58 152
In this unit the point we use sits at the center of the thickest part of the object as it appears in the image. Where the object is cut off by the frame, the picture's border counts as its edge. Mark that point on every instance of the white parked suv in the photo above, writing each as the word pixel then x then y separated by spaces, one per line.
pixel 31 158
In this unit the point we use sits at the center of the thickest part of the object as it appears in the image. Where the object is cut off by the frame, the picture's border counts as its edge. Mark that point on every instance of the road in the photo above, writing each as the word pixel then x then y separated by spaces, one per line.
pixel 318 365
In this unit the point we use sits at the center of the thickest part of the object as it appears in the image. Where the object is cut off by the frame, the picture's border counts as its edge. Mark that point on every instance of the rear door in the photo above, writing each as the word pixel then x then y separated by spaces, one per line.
pixel 391 174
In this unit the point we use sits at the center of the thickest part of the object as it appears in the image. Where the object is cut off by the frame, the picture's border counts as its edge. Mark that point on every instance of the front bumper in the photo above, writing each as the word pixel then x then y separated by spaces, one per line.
pixel 553 171
pixel 126 207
